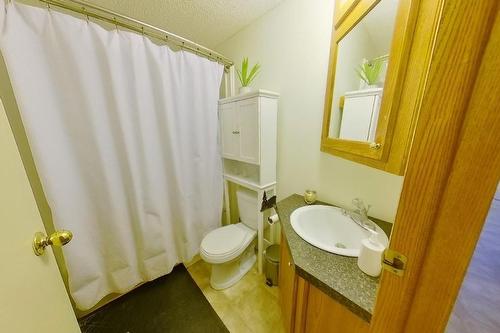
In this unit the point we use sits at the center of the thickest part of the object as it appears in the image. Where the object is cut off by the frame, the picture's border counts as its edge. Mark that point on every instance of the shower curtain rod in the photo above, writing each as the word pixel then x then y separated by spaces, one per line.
pixel 103 14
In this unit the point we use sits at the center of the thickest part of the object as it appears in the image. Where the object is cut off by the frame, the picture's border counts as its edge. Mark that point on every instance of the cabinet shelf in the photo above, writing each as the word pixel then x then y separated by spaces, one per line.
pixel 254 93
pixel 247 182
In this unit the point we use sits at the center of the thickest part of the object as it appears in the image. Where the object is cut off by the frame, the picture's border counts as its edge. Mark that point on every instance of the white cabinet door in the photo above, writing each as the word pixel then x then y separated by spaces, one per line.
pixel 374 118
pixel 229 130
pixel 357 117
pixel 248 121
pixel 32 294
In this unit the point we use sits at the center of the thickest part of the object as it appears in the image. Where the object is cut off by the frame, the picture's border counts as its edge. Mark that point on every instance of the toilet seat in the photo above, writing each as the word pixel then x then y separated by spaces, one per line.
pixel 226 243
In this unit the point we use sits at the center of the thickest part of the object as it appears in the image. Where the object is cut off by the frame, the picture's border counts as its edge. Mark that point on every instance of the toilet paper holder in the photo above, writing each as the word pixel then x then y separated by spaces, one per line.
pixel 272 219
pixel 268 203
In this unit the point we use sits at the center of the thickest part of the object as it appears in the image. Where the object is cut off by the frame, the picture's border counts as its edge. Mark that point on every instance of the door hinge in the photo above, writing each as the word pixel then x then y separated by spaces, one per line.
pixel 394 262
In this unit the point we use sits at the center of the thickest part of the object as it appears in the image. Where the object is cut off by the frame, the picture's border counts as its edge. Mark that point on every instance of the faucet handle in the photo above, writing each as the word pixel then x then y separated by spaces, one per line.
pixel 358 203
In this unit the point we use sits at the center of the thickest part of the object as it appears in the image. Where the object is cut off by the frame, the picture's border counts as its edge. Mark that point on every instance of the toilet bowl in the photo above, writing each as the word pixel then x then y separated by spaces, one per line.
pixel 231 248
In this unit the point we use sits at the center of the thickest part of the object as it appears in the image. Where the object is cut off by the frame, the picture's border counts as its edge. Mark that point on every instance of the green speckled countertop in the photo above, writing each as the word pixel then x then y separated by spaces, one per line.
pixel 336 275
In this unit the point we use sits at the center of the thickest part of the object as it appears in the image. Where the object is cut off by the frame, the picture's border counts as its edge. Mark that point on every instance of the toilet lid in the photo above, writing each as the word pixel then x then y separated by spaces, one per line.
pixel 223 240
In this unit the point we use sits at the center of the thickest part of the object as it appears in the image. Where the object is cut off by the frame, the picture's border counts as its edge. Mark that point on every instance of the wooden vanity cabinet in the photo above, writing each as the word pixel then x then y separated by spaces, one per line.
pixel 305 308
pixel 287 285
pixel 325 315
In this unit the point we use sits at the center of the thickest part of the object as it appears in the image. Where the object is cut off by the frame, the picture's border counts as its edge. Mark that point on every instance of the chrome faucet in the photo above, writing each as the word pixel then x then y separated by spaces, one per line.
pixel 360 215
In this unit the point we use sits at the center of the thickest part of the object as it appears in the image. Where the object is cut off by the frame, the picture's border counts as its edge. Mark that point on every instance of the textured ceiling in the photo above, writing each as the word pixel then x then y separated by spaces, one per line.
pixel 207 22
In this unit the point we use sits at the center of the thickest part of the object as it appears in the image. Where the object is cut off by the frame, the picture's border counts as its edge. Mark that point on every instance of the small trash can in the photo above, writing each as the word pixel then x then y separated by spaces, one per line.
pixel 272 255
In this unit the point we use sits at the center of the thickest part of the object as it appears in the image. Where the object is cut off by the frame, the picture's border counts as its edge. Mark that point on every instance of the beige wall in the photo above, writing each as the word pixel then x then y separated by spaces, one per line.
pixel 291 42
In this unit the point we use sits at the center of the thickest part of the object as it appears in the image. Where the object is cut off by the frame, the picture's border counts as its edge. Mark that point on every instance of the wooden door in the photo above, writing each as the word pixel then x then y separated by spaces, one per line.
pixel 32 293
pixel 453 169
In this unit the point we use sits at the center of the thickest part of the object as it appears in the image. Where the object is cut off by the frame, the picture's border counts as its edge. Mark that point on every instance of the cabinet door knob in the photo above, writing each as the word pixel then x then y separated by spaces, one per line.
pixel 290 264
pixel 236 132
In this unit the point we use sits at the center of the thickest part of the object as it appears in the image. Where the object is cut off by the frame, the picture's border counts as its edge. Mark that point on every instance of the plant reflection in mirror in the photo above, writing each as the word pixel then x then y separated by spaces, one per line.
pixel 370 71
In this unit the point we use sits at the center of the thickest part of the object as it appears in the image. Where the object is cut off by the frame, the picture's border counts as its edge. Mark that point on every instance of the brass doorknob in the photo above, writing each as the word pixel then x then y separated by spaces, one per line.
pixel 58 238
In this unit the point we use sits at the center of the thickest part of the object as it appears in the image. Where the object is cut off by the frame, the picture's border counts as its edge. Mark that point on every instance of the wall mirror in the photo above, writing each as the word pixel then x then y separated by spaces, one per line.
pixel 370 43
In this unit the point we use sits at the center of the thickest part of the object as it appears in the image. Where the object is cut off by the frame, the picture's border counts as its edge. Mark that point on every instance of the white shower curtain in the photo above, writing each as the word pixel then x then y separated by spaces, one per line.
pixel 124 136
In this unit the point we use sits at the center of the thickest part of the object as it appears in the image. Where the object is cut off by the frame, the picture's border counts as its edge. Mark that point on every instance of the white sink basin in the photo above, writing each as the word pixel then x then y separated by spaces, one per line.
pixel 329 229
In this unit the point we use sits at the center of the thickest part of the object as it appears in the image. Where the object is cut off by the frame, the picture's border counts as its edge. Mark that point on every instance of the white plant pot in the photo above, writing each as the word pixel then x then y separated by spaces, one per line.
pixel 244 90
pixel 365 85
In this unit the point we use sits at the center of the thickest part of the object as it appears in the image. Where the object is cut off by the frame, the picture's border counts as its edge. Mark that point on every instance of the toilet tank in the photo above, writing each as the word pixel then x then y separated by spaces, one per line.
pixel 247 205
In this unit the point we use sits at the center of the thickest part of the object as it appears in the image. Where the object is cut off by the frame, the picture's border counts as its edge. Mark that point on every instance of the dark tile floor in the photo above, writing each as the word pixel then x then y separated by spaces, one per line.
pixel 172 303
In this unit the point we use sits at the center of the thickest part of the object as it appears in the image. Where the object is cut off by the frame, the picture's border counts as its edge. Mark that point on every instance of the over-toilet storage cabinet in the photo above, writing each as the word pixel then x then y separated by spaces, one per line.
pixel 248 127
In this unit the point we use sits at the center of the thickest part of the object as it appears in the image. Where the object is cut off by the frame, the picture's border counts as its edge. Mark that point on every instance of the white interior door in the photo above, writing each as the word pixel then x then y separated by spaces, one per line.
pixel 32 293
pixel 248 121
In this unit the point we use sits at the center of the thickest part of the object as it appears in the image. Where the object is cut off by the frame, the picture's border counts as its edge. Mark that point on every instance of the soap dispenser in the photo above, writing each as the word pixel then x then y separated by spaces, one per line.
pixel 370 255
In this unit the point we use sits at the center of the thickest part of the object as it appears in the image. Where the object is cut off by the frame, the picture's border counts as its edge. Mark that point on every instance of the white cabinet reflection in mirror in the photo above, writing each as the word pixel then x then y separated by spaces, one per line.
pixel 362 59
pixel 360 114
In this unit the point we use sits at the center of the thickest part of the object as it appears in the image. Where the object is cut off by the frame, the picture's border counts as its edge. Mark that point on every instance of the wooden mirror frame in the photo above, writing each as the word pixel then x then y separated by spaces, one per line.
pixel 373 154
pixel 342 10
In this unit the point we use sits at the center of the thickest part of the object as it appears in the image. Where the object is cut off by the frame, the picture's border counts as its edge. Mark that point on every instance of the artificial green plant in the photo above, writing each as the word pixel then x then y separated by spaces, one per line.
pixel 370 71
pixel 246 77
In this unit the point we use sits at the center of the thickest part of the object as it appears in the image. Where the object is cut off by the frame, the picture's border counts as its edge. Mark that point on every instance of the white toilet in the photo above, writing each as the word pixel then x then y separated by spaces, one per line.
pixel 230 249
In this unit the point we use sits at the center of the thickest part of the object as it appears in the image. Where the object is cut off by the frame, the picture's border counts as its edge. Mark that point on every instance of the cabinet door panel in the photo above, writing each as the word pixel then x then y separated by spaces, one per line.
pixel 325 315
pixel 357 117
pixel 230 138
pixel 287 286
pixel 248 120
